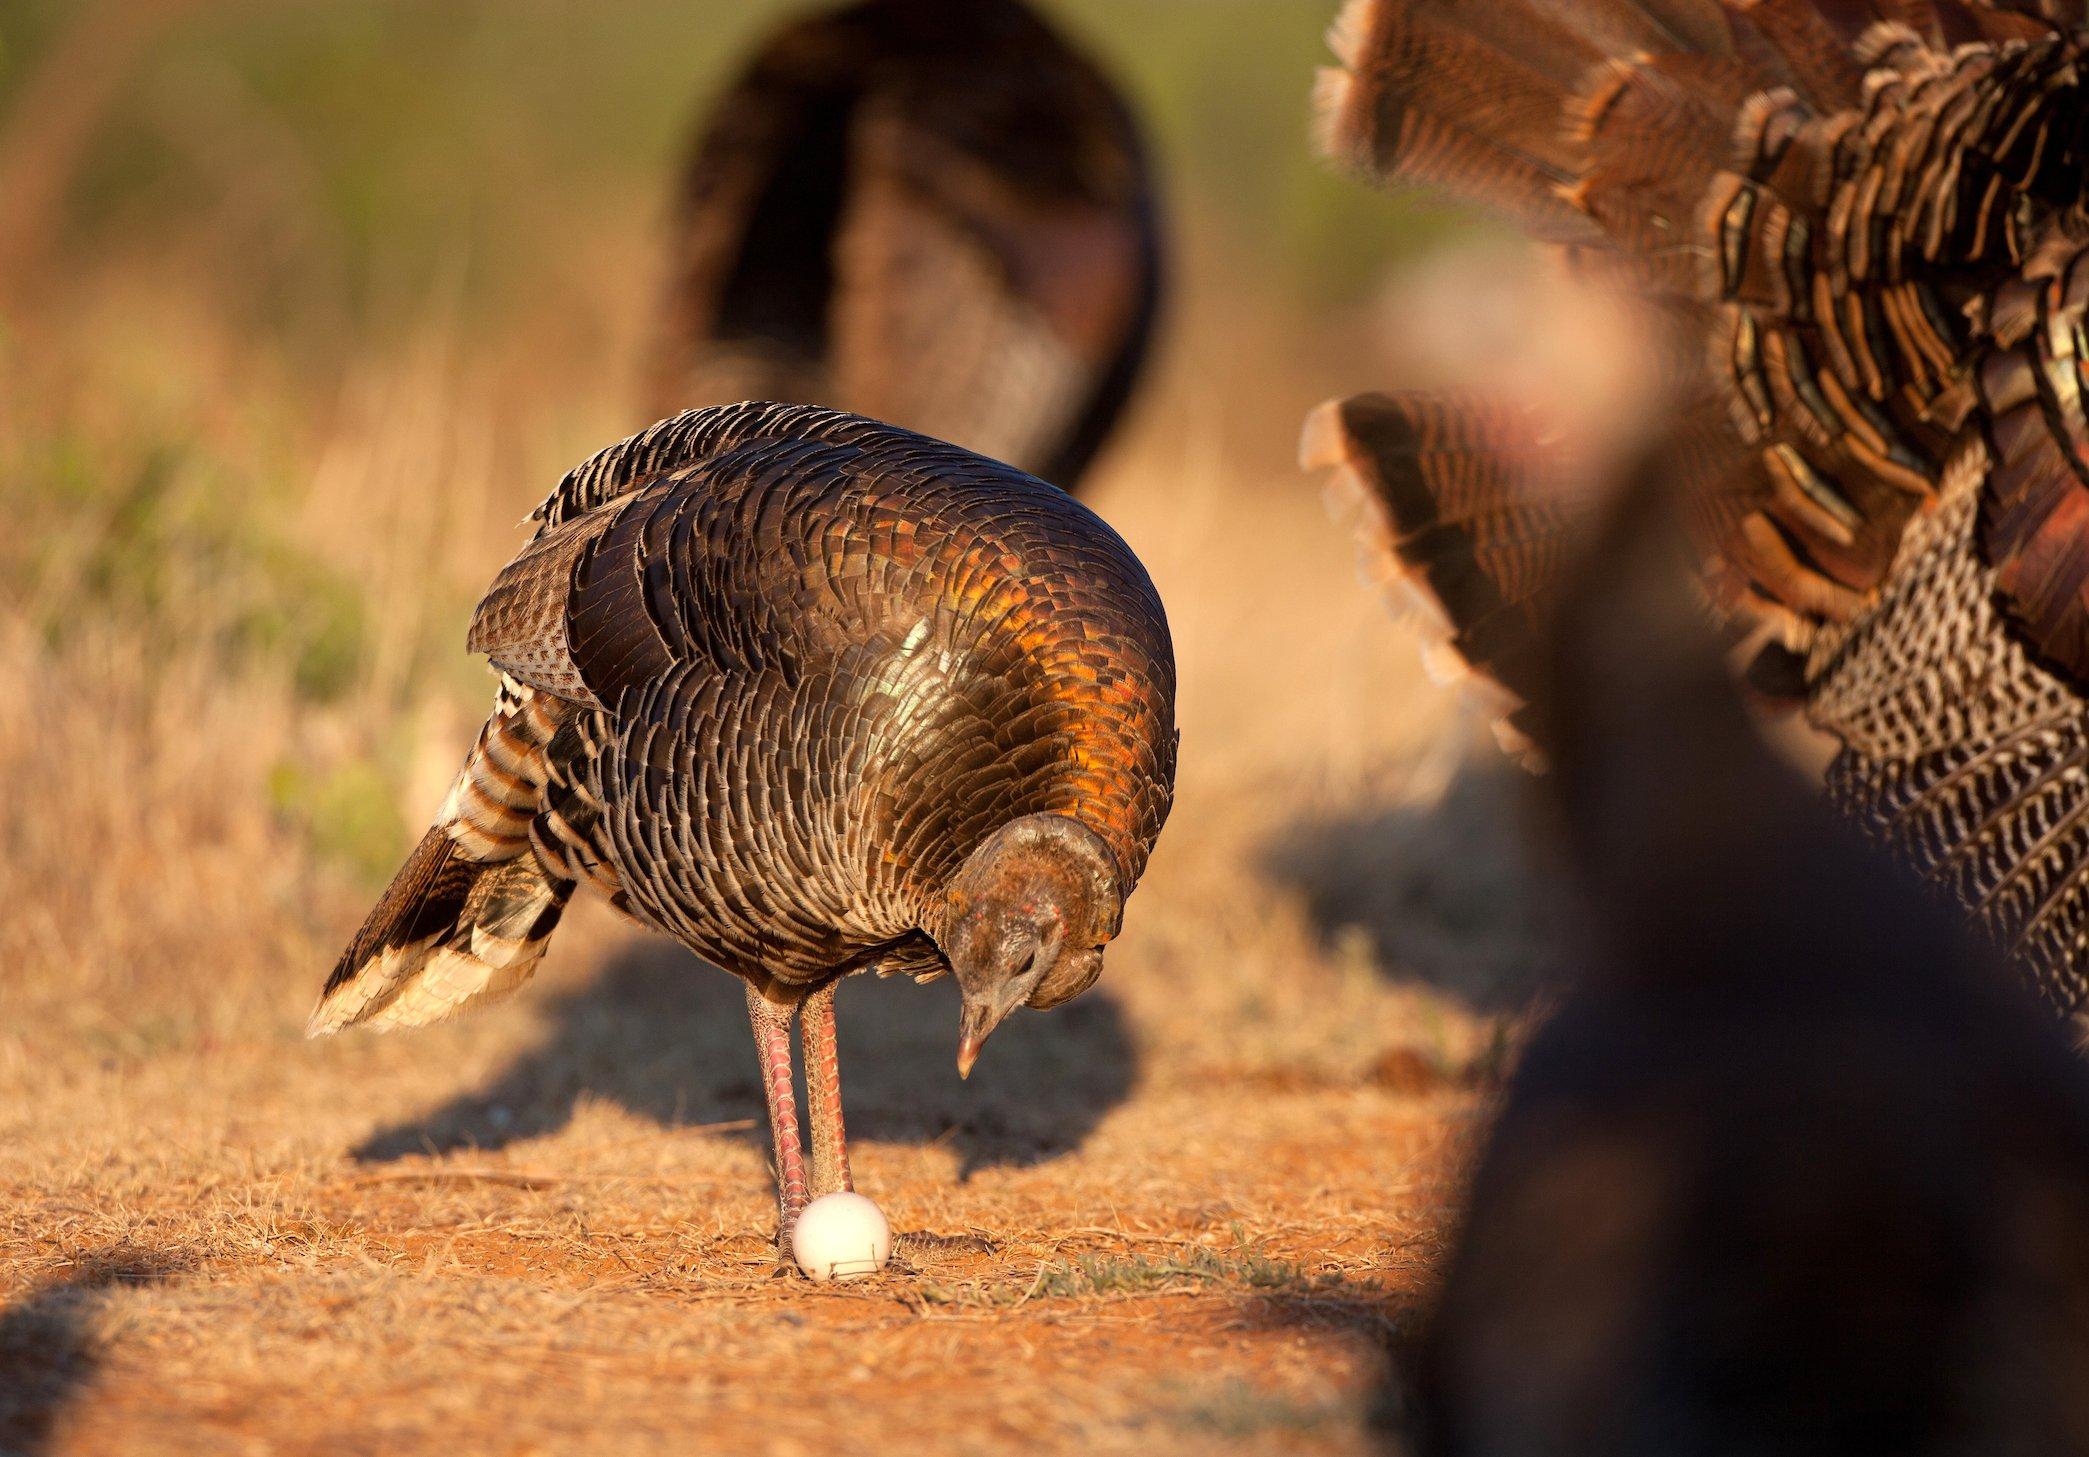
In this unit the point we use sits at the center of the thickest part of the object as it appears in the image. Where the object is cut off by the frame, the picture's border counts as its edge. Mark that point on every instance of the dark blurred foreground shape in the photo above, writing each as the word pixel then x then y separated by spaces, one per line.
pixel 1792 1170
pixel 931 212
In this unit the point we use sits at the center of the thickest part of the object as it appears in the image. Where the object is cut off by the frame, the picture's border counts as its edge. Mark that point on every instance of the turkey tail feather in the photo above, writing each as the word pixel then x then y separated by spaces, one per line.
pixel 1492 102
pixel 1857 223
pixel 1455 512
pixel 467 917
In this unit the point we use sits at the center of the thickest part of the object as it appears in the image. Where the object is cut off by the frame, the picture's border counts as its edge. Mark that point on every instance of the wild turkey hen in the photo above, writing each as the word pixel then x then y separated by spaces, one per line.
pixel 933 212
pixel 1792 1169
pixel 814 696
pixel 1861 225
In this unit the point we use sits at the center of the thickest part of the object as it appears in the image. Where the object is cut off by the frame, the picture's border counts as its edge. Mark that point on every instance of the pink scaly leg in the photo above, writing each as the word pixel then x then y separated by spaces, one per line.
pixel 772 1045
pixel 830 1141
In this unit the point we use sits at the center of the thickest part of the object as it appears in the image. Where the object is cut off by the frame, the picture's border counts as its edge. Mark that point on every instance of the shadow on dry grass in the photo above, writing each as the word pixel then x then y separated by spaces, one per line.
pixel 1386 1323
pixel 662 1035
pixel 47 1355
pixel 1438 891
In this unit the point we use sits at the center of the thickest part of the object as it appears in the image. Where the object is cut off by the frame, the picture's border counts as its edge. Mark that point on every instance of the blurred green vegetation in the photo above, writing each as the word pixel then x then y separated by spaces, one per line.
pixel 355 150
pixel 274 208
pixel 173 543
pixel 348 813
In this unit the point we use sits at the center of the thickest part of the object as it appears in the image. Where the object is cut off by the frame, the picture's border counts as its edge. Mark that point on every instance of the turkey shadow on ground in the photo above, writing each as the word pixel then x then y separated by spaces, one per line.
pixel 1385 1324
pixel 47 1354
pixel 663 1035
pixel 1443 892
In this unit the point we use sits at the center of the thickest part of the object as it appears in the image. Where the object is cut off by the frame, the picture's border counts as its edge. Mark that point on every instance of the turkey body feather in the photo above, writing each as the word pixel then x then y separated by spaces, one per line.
pixel 844 653
pixel 813 695
pixel 788 667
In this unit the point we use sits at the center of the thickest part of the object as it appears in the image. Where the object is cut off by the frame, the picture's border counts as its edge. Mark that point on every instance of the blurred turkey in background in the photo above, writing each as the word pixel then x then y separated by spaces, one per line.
pixel 931 212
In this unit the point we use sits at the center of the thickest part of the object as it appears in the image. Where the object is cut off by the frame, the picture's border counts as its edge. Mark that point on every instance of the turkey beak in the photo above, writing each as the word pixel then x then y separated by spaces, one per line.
pixel 1019 965
pixel 982 1014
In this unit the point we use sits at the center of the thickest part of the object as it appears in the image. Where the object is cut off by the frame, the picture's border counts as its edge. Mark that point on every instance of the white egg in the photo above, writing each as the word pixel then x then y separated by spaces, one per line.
pixel 840 1237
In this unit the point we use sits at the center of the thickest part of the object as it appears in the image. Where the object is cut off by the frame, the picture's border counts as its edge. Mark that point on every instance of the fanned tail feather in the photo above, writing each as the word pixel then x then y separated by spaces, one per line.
pixel 1454 512
pixel 1602 124
pixel 1807 192
pixel 1504 103
pixel 467 917
pixel 1767 178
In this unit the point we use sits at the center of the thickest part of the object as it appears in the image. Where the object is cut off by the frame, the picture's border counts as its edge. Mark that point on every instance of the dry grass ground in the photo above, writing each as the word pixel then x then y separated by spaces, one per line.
pixel 1180 1215
pixel 1177 1216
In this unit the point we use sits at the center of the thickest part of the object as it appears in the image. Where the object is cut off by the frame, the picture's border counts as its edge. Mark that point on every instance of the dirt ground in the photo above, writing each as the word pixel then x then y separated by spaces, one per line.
pixel 1183 1214
pixel 245 525
pixel 1211 1270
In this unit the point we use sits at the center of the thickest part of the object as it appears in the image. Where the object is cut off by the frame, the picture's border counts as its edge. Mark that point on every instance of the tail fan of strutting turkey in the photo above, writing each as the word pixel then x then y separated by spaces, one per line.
pixel 1785 1117
pixel 1852 220
pixel 1452 511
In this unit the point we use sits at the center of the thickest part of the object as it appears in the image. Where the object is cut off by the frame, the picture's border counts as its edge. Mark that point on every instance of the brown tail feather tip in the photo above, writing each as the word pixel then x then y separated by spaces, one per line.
pixel 1345 33
pixel 1399 108
pixel 449 933
pixel 1424 482
pixel 1353 506
pixel 1324 443
pixel 1333 133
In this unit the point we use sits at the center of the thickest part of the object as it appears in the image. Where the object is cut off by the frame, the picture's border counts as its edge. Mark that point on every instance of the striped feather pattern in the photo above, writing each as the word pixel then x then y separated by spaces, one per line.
pixel 861 651
pixel 1808 195
pixel 1452 504
pixel 1964 754
pixel 467 918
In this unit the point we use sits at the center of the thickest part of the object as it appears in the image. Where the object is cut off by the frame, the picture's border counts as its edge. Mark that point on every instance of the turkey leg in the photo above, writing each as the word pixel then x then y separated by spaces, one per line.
pixel 830 1141
pixel 772 1046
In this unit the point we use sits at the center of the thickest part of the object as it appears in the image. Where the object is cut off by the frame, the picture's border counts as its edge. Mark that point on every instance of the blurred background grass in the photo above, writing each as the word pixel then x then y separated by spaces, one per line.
pixel 295 291
pixel 303 303
pixel 358 156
